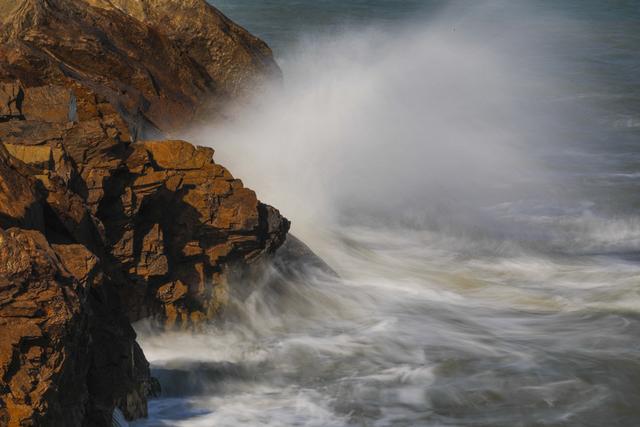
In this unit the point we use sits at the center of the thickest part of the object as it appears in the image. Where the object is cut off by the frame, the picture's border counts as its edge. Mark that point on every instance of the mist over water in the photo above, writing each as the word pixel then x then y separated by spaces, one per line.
pixel 472 176
pixel 370 119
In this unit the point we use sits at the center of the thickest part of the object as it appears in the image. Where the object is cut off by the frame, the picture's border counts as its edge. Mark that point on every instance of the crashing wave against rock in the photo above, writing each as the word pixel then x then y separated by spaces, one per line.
pixel 99 226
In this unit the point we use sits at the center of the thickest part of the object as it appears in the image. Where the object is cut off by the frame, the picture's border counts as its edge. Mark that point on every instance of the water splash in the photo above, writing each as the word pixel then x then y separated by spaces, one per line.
pixel 434 166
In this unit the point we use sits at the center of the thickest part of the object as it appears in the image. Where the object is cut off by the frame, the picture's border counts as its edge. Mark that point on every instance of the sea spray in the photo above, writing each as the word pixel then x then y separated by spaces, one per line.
pixel 434 165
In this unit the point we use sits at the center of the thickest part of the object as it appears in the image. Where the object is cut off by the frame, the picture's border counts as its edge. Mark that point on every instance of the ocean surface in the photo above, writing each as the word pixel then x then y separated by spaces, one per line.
pixel 471 169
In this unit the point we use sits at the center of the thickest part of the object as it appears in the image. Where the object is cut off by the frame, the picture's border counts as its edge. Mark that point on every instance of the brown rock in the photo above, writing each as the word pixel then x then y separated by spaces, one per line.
pixel 19 202
pixel 57 337
pixel 235 59
pixel 160 63
pixel 201 221
pixel 152 260
pixel 11 97
pixel 53 104
pixel 44 344
pixel 161 203
pixel 172 291
pixel 98 226
pixel 178 155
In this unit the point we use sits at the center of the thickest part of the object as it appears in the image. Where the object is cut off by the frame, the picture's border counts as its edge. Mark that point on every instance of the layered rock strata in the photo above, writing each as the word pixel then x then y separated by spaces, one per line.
pixel 99 225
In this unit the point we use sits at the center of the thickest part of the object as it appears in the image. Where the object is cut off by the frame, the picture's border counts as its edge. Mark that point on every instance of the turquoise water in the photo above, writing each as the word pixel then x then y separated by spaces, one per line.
pixel 471 170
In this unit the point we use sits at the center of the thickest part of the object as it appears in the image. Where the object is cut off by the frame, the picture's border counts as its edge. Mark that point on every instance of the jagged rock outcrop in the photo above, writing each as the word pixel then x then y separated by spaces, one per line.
pixel 175 219
pixel 166 215
pixel 161 63
pixel 99 226
pixel 169 216
pixel 43 322
pixel 68 354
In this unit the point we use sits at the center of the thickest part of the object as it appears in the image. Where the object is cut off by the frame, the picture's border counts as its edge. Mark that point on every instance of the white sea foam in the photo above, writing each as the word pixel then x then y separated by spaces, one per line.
pixel 430 116
pixel 413 161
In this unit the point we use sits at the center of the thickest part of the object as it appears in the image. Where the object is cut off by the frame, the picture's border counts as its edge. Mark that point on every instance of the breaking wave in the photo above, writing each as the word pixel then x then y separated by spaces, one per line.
pixel 436 165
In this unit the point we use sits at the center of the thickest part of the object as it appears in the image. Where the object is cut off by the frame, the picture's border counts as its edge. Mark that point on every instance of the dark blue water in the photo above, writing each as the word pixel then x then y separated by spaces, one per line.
pixel 472 171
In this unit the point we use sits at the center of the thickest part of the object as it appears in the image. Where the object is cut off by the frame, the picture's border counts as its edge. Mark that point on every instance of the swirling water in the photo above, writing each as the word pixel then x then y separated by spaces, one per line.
pixel 470 169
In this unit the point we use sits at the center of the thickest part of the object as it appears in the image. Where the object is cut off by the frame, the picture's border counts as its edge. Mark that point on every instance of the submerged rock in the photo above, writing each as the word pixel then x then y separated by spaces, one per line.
pixel 99 226
pixel 295 257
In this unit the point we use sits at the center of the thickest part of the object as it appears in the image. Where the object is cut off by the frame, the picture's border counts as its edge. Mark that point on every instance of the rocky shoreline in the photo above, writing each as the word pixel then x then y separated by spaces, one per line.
pixel 103 220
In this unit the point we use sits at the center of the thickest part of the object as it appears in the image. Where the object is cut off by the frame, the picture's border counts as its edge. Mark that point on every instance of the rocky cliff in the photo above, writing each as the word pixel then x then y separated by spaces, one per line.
pixel 161 63
pixel 100 225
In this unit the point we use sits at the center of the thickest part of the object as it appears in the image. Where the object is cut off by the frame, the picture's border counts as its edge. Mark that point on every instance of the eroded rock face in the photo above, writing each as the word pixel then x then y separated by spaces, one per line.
pixel 42 321
pixel 68 354
pixel 175 222
pixel 60 363
pixel 160 63
pixel 99 226
pixel 162 213
pixel 18 199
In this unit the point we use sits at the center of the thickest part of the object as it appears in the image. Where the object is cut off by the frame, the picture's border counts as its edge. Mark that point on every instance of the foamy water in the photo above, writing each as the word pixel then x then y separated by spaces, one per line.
pixel 414 334
pixel 487 245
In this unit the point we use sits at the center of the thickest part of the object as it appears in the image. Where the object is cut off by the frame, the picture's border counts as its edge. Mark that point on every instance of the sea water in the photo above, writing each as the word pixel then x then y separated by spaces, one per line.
pixel 471 170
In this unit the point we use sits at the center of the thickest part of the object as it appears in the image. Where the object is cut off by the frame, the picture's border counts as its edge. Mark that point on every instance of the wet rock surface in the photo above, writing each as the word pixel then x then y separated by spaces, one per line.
pixel 99 225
